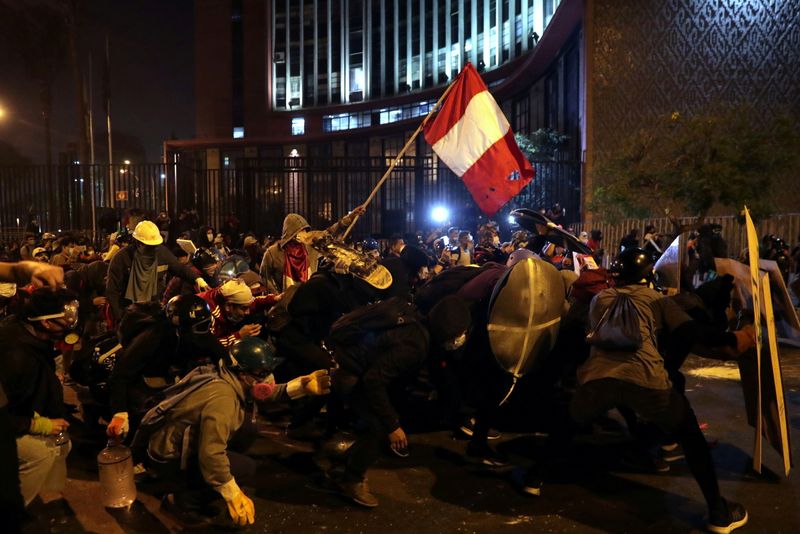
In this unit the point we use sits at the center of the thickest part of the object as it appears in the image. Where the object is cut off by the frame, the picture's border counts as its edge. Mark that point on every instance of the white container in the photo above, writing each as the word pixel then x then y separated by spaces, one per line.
pixel 115 465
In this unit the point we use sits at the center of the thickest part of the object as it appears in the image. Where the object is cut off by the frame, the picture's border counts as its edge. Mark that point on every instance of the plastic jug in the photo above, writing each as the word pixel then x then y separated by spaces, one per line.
pixel 115 464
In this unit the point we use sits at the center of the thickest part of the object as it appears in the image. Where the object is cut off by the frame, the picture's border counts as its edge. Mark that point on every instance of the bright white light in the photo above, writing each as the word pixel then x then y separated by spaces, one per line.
pixel 163 176
pixel 238 132
pixel 127 162
pixel 294 153
pixel 440 214
pixel 76 162
pixel 511 220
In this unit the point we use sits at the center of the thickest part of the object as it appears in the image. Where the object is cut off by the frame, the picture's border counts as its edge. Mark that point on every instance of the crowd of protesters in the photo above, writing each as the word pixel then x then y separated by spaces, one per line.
pixel 205 325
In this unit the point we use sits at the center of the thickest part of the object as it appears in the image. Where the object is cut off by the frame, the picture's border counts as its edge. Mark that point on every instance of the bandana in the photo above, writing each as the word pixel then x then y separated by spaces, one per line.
pixel 295 266
pixel 143 278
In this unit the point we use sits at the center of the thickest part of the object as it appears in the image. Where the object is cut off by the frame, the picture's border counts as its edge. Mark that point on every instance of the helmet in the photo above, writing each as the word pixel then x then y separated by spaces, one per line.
pixel 48 236
pixel 147 233
pixel 189 312
pixel 252 355
pixel 369 244
pixel 632 265
pixel 203 257
pixel 231 268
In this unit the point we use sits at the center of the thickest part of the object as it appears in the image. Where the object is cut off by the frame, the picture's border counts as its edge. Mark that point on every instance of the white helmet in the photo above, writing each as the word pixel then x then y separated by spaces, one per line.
pixel 147 233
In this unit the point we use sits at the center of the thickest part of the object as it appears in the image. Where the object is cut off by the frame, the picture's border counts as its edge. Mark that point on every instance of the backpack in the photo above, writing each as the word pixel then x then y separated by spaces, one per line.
pixel 356 325
pixel 618 328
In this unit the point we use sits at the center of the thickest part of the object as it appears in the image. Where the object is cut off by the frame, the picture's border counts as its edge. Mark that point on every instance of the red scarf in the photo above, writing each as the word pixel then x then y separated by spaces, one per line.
pixel 295 267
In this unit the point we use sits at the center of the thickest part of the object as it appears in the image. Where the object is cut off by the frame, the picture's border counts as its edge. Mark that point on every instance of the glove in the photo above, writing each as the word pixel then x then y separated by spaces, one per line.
pixel 745 338
pixel 41 426
pixel 118 426
pixel 201 284
pixel 240 507
pixel 317 383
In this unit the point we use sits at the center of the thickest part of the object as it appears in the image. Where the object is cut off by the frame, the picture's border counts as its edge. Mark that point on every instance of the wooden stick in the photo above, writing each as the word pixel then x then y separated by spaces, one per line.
pixel 396 160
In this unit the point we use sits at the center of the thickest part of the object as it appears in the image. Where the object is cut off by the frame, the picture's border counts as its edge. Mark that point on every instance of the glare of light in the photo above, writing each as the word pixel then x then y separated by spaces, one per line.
pixel 76 162
pixel 122 171
pixel 163 176
pixel 2 113
pixel 127 162
pixel 440 214
pixel 511 220
pixel 294 153
pixel 17 221
pixel 81 180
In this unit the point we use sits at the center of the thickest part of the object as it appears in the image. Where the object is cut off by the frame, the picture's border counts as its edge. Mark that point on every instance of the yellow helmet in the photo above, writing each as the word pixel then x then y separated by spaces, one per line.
pixel 147 233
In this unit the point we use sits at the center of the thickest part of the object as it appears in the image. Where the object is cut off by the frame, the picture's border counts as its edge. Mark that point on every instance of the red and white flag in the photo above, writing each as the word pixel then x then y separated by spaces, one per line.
pixel 472 136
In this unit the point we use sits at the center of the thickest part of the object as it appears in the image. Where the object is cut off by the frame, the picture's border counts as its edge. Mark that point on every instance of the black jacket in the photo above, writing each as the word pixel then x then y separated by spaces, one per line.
pixel 27 374
pixel 379 357
pixel 120 270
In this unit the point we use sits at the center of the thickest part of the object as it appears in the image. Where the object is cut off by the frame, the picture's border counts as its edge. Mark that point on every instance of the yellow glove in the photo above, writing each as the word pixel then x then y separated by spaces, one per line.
pixel 41 426
pixel 317 383
pixel 240 507
pixel 201 284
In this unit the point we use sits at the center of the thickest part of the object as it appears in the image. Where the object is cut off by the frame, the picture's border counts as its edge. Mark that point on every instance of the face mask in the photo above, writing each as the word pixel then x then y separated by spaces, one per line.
pixel 264 390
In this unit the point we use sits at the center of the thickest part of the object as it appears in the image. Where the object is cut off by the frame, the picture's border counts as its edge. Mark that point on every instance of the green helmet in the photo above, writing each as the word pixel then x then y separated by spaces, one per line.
pixel 252 355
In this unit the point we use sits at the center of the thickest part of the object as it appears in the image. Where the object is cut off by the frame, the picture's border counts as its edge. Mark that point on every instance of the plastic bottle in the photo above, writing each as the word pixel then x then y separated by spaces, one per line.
pixel 115 465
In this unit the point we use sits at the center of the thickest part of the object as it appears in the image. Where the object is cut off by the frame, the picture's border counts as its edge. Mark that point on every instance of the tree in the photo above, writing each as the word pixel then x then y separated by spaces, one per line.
pixel 541 144
pixel 683 166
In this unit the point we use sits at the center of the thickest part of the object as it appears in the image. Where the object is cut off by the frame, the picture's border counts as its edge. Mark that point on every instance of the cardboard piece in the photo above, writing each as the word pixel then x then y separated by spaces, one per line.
pixel 668 266
pixel 187 245
pixel 755 292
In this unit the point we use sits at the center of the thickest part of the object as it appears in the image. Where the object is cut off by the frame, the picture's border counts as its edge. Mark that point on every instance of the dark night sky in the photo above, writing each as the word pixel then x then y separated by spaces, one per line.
pixel 152 74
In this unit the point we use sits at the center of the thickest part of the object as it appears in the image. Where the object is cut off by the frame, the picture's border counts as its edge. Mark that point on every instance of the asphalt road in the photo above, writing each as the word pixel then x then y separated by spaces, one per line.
pixel 435 490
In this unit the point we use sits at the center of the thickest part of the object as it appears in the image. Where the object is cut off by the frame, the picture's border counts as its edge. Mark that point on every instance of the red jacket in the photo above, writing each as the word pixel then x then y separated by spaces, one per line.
pixel 226 331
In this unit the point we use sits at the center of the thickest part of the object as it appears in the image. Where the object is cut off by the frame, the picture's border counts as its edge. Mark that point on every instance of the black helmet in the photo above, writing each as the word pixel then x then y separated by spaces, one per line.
pixel 203 257
pixel 124 237
pixel 631 266
pixel 252 355
pixel 369 244
pixel 189 312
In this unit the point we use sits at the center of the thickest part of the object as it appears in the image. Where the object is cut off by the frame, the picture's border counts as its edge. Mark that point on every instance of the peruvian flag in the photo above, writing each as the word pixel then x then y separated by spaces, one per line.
pixel 472 137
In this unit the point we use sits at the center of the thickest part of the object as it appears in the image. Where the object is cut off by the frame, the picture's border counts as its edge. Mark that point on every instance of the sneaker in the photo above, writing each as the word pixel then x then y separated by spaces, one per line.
pixel 728 518
pixel 644 462
pixel 402 453
pixel 529 481
pixel 358 492
pixel 672 453
pixel 468 429
pixel 485 455
pixel 187 517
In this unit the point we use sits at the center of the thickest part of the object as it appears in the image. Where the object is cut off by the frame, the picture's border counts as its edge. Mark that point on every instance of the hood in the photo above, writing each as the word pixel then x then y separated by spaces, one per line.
pixel 292 225
pixel 226 375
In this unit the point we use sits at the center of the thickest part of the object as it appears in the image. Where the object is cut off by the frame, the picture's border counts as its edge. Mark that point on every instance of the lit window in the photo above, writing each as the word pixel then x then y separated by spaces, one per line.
pixel 298 126
pixel 226 161
pixel 294 153
pixel 238 132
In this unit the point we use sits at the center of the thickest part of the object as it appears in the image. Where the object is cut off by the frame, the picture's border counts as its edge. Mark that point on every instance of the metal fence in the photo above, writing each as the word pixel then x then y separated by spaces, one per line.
pixel 260 192
pixel 786 226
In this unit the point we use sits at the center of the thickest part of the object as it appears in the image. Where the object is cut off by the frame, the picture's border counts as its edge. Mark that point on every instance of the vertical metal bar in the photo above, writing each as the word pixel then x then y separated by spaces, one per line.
pixel 409 49
pixel 448 30
pixel 396 51
pixel 344 51
pixel 383 47
pixel 461 34
pixel 316 52
pixel 512 29
pixel 487 33
pixel 366 53
pixel 302 61
pixel 474 33
pixel 288 58
pixel 330 52
pixel 421 44
pixel 526 30
pixel 435 43
pixel 498 17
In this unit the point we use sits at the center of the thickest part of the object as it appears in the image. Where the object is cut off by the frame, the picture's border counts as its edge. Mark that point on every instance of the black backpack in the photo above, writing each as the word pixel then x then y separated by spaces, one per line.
pixel 618 329
pixel 356 325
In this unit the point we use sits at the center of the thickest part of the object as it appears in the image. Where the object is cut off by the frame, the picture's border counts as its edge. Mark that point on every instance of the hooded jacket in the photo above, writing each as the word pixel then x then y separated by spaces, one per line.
pixel 202 423
pixel 272 264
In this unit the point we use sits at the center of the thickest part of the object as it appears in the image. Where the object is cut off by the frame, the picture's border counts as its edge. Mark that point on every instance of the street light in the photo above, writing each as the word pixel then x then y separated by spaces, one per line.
pixel 2 113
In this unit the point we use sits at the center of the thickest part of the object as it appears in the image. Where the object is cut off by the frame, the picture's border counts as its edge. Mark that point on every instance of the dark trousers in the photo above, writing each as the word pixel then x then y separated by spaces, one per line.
pixel 669 410
pixel 190 488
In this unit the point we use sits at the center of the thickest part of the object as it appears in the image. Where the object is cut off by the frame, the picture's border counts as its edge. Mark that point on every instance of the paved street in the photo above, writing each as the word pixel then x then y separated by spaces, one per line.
pixel 435 490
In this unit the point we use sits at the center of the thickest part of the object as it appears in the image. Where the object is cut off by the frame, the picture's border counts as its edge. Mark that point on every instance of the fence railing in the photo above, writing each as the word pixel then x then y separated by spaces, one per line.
pixel 786 226
pixel 260 192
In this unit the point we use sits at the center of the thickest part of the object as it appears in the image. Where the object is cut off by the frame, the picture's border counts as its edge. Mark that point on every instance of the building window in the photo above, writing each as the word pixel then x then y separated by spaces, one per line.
pixel 238 132
pixel 298 126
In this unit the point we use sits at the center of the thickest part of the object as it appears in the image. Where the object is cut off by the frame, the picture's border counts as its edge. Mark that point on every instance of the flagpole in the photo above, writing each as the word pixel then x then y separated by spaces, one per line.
pixel 397 158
